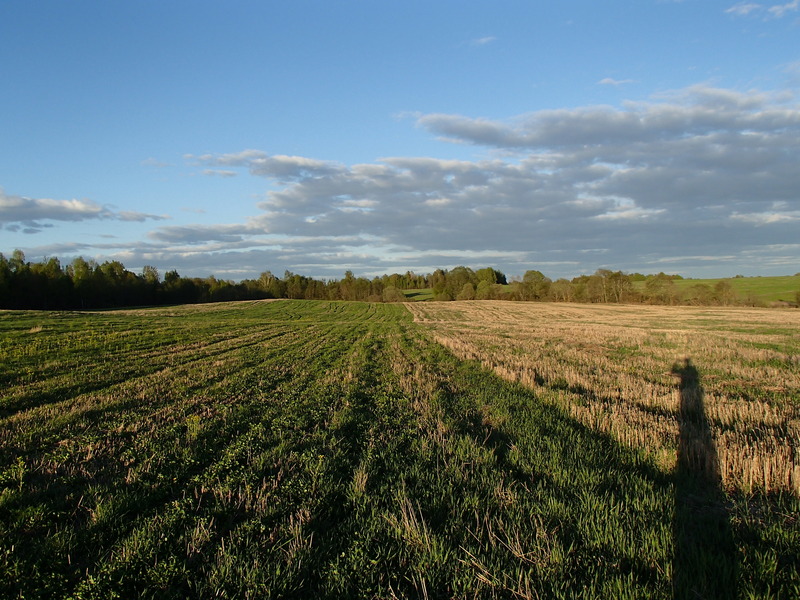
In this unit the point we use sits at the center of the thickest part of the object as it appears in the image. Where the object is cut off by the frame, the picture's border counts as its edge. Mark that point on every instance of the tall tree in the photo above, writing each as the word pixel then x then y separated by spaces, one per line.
pixel 535 286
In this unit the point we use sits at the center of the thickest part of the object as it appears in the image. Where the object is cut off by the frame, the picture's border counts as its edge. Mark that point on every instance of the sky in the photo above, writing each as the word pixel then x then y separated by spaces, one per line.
pixel 232 138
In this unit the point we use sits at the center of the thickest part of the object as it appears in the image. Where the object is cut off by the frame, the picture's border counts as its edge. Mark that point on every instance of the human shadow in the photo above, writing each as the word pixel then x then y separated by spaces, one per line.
pixel 705 561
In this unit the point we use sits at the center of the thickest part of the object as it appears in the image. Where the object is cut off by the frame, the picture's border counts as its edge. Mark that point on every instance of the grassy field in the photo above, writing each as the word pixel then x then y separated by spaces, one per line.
pixel 419 295
pixel 759 289
pixel 328 450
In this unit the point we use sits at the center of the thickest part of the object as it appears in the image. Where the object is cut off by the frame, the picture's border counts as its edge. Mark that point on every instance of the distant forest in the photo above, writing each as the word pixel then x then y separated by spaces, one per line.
pixel 86 284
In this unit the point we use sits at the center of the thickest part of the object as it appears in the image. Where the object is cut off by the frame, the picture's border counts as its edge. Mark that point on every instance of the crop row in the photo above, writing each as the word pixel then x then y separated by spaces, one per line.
pixel 316 449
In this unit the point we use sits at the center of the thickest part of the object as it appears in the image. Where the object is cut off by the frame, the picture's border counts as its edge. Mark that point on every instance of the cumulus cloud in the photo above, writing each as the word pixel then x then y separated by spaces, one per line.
pixel 775 11
pixel 767 218
pixel 695 111
pixel 18 213
pixel 482 41
pixel 130 215
pixel 743 8
pixel 279 167
pixel 704 169
pixel 195 234
pixel 615 82
pixel 699 180
pixel 780 10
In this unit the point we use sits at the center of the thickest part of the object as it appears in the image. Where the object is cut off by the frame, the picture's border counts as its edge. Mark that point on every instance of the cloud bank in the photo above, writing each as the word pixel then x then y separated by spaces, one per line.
pixel 31 215
pixel 774 11
pixel 702 172
pixel 701 181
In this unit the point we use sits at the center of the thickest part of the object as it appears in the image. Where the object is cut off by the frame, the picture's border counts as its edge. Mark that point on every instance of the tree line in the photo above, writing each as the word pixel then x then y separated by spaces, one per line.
pixel 86 284
pixel 603 286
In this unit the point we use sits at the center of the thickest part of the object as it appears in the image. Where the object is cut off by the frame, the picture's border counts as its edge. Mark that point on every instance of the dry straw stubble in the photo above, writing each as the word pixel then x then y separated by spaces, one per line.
pixel 612 368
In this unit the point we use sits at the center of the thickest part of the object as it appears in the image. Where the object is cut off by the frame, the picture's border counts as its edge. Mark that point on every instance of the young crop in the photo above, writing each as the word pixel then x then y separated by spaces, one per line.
pixel 329 449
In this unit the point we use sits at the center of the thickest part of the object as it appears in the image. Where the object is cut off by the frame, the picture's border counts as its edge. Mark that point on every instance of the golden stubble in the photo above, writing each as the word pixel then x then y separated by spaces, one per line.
pixel 611 368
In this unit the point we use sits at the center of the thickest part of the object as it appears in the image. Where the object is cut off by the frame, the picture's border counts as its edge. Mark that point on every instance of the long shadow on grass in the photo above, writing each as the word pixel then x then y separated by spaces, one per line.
pixel 573 477
pixel 705 564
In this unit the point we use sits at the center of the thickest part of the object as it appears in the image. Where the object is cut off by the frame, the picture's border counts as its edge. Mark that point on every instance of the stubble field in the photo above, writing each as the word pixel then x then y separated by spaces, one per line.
pixel 615 368
pixel 472 450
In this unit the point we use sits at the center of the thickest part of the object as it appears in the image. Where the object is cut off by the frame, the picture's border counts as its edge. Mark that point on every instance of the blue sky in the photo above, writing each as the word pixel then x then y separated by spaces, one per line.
pixel 375 136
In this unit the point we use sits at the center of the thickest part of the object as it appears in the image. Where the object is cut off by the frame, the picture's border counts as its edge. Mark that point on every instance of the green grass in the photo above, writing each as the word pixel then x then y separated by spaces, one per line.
pixel 760 289
pixel 763 289
pixel 330 450
pixel 419 295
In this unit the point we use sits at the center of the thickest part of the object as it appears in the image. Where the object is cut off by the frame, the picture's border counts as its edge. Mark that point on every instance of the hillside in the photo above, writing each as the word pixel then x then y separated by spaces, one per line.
pixel 763 289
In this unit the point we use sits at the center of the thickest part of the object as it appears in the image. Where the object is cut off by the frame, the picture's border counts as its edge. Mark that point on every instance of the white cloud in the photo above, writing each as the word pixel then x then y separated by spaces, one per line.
pixel 694 111
pixel 482 41
pixel 18 213
pixel 193 234
pixel 687 178
pixel 282 168
pixel 625 209
pixel 776 11
pixel 780 10
pixel 234 159
pixel 767 218
pixel 712 171
pixel 743 8
pixel 130 215
pixel 615 82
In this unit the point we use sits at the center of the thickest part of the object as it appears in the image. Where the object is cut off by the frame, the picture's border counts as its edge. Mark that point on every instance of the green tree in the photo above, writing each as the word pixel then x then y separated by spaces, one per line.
pixel 150 275
pixel 660 289
pixel 580 288
pixel 701 294
pixel 315 290
pixel 295 286
pixel 347 286
pixel 152 284
pixel 437 281
pixel 52 287
pixel 5 282
pixel 265 280
pixel 488 274
pixel 595 289
pixel 534 286
pixel 171 277
pixel 456 278
pixel 392 294
pixel 484 290
pixel 17 261
pixel 724 292
pixel 84 284
pixel 617 284
pixel 467 292
pixel 561 291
